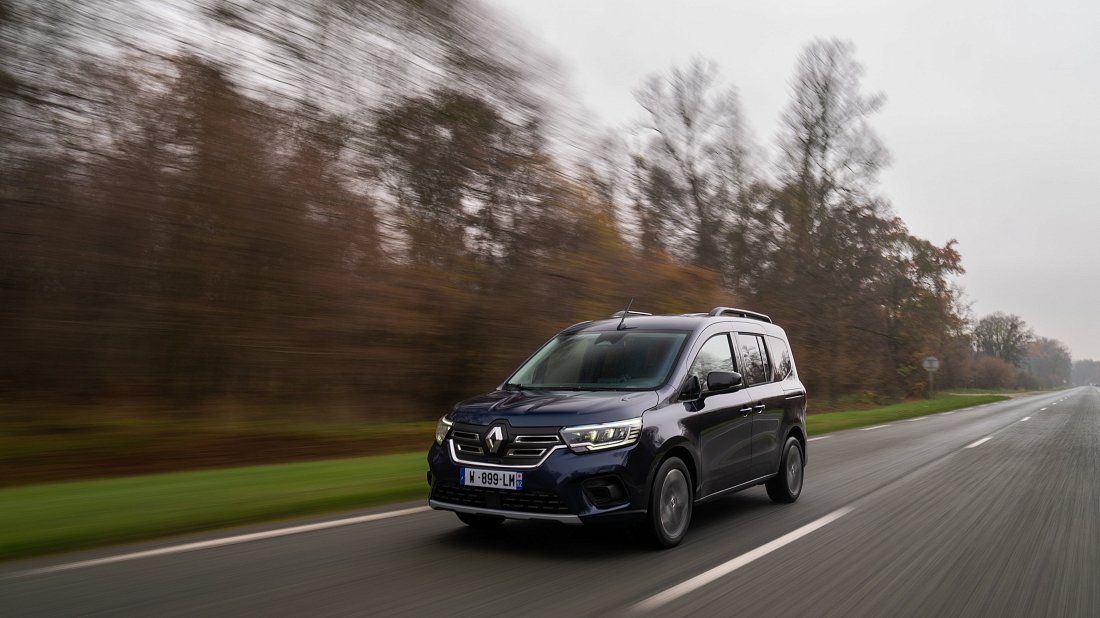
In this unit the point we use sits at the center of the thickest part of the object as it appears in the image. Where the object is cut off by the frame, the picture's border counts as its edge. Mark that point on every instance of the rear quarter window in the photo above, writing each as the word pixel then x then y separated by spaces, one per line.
pixel 782 364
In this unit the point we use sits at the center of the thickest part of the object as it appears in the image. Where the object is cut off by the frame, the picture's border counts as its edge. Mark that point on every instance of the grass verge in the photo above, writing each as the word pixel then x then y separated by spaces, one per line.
pixel 38 519
pixel 817 424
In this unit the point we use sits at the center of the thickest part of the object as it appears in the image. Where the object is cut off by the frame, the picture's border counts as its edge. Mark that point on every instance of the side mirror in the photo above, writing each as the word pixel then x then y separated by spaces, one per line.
pixel 723 382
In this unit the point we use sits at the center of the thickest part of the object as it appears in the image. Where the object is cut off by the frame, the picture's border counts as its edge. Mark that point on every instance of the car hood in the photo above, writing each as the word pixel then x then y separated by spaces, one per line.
pixel 553 408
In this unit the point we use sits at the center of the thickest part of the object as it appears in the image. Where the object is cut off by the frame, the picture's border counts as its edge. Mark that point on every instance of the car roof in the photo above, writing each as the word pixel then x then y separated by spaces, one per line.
pixel 684 322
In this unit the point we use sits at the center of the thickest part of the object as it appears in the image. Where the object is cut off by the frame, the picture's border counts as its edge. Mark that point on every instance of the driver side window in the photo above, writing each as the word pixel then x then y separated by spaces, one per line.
pixel 715 355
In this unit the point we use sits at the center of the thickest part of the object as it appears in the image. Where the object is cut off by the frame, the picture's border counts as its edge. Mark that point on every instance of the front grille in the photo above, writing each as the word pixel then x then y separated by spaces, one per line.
pixel 540 439
pixel 527 449
pixel 526 452
pixel 501 499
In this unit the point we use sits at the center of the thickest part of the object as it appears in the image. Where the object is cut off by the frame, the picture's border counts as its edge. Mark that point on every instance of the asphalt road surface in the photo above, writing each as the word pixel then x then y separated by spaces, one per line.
pixel 987 511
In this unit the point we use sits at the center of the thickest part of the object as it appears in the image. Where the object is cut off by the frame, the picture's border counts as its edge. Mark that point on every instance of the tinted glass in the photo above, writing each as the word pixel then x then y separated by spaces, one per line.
pixel 715 355
pixel 611 360
pixel 781 358
pixel 755 359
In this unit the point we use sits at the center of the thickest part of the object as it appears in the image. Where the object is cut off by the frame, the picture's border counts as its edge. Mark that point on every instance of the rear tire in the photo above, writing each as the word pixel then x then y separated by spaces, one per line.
pixel 786 486
pixel 670 504
pixel 480 522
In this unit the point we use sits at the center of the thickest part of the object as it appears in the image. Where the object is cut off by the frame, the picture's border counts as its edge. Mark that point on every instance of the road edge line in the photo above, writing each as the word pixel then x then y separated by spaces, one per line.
pixel 220 542
pixel 875 427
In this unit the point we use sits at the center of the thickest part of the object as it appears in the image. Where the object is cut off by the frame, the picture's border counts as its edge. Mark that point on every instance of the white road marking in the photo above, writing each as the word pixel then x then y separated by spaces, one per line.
pixel 818 438
pixel 1041 409
pixel 1026 418
pixel 913 420
pixel 948 413
pixel 229 540
pixel 706 577
pixel 875 427
pixel 979 442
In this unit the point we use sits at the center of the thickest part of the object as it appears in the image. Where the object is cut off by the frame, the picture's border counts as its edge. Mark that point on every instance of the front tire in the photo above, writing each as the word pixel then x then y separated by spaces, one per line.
pixel 481 522
pixel 670 504
pixel 786 486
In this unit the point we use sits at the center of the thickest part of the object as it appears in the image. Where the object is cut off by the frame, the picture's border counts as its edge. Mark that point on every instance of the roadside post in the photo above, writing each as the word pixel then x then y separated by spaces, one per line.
pixel 931 365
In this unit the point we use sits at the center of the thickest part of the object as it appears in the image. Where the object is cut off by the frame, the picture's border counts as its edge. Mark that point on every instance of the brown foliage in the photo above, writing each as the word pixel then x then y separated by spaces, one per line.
pixel 217 254
pixel 170 236
pixel 992 372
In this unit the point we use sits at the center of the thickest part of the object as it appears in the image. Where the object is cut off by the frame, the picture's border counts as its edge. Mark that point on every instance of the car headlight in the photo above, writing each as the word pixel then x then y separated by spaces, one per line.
pixel 441 429
pixel 598 437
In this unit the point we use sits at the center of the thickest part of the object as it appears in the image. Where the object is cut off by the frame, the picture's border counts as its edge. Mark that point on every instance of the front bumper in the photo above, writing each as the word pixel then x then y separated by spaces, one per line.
pixel 553 491
pixel 459 508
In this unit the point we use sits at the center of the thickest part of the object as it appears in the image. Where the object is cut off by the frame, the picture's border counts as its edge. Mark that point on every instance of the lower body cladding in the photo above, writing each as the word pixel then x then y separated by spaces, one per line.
pixel 567 487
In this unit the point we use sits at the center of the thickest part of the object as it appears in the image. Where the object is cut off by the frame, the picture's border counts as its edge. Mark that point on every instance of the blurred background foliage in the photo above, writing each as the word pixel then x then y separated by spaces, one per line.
pixel 366 210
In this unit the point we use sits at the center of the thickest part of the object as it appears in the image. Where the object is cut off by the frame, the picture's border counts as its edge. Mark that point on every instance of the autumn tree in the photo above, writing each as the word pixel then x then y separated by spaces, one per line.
pixel 435 154
pixel 1048 363
pixel 824 251
pixel 194 226
pixel 832 229
pixel 1086 371
pixel 993 372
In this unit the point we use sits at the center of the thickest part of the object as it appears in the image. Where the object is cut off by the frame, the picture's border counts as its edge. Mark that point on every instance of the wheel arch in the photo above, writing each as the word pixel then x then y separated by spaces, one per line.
pixel 797 433
pixel 683 449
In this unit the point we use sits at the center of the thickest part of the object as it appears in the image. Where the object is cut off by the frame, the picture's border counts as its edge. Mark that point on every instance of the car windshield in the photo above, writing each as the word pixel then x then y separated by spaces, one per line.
pixel 609 360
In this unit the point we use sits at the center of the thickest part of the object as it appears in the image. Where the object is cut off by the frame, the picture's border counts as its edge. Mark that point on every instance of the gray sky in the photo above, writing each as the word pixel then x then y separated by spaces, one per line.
pixel 992 118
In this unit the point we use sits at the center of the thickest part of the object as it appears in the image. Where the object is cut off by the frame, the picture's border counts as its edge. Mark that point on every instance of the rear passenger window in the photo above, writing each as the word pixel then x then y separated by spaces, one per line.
pixel 781 358
pixel 755 358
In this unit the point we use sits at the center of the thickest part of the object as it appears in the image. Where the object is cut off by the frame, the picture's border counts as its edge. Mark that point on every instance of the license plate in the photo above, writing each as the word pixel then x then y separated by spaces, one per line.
pixel 496 479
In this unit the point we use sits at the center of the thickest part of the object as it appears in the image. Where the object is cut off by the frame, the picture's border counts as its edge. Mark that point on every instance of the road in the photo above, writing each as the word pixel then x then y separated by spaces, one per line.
pixel 917 518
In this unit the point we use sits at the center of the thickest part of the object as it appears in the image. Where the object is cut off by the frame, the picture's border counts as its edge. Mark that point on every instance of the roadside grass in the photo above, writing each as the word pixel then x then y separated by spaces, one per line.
pixel 38 519
pixel 817 424
pixel 53 517
pixel 983 391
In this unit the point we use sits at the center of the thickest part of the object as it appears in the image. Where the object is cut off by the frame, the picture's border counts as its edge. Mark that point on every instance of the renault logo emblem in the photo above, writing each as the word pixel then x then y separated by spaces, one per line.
pixel 494 439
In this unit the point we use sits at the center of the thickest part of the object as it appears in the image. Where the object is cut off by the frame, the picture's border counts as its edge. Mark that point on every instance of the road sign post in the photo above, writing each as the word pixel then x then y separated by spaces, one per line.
pixel 931 365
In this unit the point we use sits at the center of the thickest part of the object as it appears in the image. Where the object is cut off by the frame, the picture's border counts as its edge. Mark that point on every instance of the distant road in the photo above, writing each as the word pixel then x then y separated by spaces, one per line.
pixel 992 510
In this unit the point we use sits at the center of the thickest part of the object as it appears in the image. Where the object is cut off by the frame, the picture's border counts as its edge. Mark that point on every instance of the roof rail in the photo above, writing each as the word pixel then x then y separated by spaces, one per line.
pixel 619 314
pixel 741 313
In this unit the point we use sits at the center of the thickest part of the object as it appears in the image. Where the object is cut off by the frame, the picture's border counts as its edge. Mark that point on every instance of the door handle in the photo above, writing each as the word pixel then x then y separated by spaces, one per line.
pixel 759 408
pixel 745 411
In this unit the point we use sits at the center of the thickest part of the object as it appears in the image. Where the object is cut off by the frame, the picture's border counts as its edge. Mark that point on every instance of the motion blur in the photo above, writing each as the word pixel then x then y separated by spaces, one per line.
pixel 308 211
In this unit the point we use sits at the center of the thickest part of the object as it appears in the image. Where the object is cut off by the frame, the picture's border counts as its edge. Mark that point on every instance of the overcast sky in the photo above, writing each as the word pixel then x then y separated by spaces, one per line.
pixel 992 118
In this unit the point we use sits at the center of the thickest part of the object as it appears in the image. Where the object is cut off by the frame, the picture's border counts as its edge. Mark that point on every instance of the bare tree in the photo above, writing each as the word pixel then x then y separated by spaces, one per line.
pixel 828 148
pixel 696 156
pixel 1005 336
